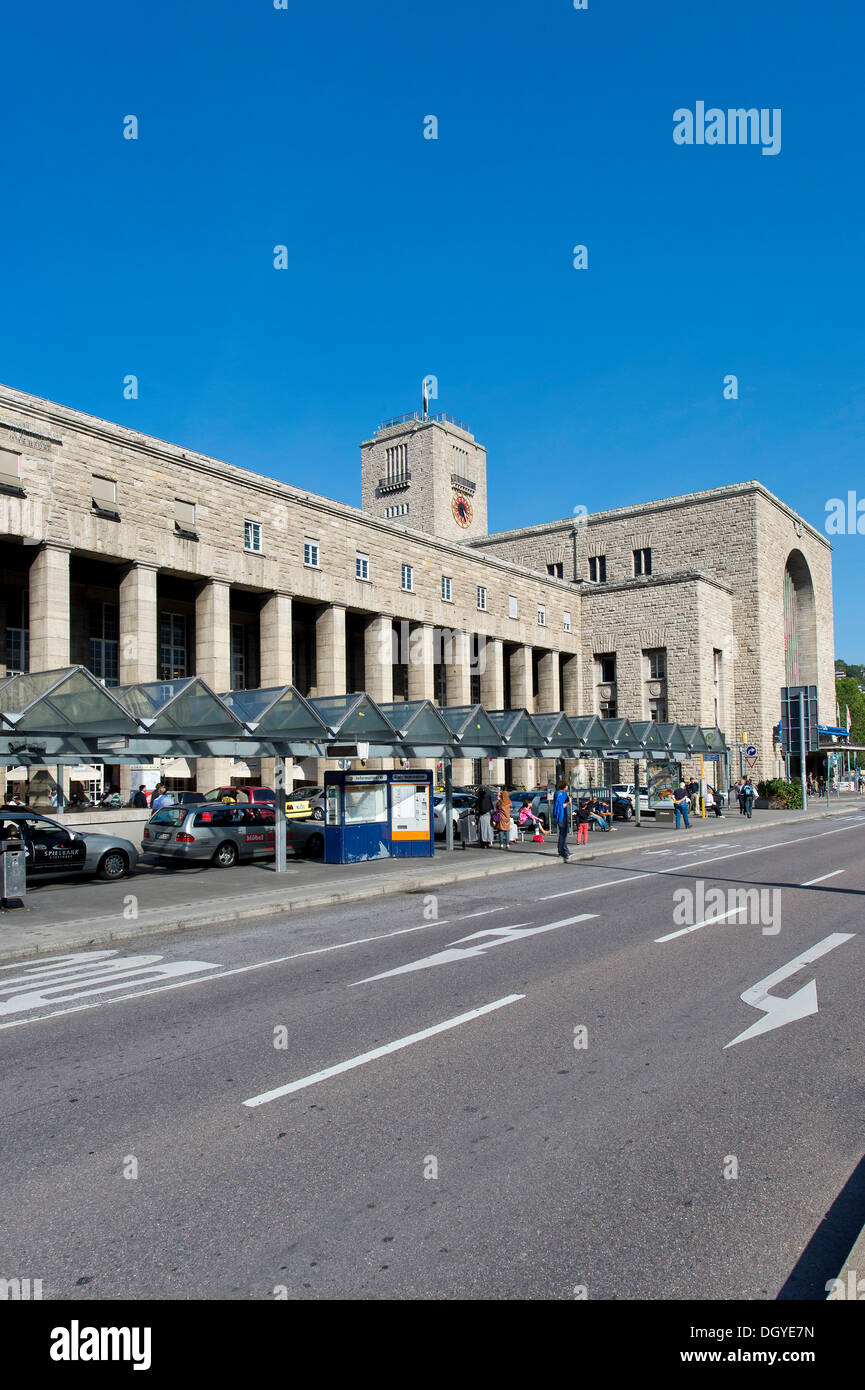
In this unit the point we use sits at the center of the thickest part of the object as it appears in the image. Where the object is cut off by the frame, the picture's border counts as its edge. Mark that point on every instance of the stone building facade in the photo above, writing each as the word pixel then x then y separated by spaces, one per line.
pixel 145 561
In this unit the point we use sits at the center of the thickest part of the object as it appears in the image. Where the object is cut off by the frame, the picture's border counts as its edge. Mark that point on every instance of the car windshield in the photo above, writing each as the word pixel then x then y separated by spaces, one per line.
pixel 170 815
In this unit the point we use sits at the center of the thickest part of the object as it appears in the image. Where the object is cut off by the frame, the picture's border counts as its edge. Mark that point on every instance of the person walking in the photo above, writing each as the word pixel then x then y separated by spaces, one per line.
pixel 821 785
pixel 748 798
pixel 562 818
pixel 584 813
pixel 681 805
pixel 484 811
pixel 139 800
pixel 503 806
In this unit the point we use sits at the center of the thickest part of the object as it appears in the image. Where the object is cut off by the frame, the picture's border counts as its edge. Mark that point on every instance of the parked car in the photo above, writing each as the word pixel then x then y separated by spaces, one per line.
pixel 305 837
pixel 232 796
pixel 627 789
pixel 53 850
pixel 224 835
pixel 462 801
pixel 189 798
pixel 305 803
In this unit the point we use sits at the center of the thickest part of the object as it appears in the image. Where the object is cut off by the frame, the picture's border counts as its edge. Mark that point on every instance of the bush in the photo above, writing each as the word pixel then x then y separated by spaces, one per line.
pixel 781 795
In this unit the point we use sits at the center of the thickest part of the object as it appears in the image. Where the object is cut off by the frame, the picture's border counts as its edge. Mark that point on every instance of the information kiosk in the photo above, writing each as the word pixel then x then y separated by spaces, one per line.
pixel 377 815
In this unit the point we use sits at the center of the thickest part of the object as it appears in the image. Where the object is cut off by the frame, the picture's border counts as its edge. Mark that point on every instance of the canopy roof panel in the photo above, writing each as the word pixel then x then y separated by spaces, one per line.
pixel 590 732
pixel 67 701
pixel 418 722
pixel 622 734
pixel 519 727
pixel 695 737
pixel 186 708
pixel 278 712
pixel 471 726
pixel 354 718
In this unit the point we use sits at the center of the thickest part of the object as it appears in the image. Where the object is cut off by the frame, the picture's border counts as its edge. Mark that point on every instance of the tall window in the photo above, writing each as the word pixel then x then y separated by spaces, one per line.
pixel 407 578
pixel 173 665
pixel 658 711
pixel 482 599
pixel 542 615
pixel 361 566
pixel 184 515
pixel 606 667
pixel 447 593
pixel 10 467
pixel 513 607
pixel 598 569
pixel 17 630
pixel 397 463
pixel 566 620
pixel 104 646
pixel 252 535
pixel 642 562
pixel 657 660
pixel 310 553
pixel 238 656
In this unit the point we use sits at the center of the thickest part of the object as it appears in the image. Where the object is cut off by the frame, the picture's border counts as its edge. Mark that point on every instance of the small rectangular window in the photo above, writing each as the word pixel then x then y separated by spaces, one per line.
pixel 657 664
pixel 482 599
pixel 407 578
pixel 556 570
pixel 513 607
pixel 566 621
pixel 10 466
pixel 310 553
pixel 607 667
pixel 447 594
pixel 361 566
pixel 542 615
pixel 184 514
pixel 252 535
pixel 104 492
pixel 598 569
pixel 642 562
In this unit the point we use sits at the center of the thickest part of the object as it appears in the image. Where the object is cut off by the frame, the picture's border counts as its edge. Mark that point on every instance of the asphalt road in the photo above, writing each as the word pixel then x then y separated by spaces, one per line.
pixel 491 1158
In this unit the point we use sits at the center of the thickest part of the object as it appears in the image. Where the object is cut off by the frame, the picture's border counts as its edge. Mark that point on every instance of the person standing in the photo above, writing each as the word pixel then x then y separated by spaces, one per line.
pixel 693 790
pixel 139 800
pixel 584 814
pixel 503 806
pixel 748 798
pixel 681 805
pixel 161 798
pixel 562 818
pixel 484 811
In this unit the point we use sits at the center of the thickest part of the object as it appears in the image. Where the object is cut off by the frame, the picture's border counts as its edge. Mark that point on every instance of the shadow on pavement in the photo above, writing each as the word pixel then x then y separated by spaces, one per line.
pixel 831 1243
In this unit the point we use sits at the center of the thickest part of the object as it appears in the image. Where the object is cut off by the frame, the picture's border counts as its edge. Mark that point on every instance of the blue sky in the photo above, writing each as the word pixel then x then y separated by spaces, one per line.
pixel 407 256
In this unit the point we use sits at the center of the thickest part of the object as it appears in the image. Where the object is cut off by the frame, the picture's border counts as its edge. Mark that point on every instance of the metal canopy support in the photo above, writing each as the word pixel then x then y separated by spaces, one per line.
pixel 449 804
pixel 279 810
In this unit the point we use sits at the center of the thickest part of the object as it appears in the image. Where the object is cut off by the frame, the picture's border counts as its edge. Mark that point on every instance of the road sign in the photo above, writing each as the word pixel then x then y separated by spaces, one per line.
pixel 751 762
pixel 750 751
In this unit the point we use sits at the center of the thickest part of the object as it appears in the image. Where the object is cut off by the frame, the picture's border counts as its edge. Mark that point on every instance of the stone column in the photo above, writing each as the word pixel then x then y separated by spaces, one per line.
pixel 421 675
pixel 275 647
pixel 572 704
pixel 458 690
pixel 378 669
pixel 138 659
pixel 213 664
pixel 49 608
pixel 330 665
pixel 524 771
pixel 548 701
pixel 492 674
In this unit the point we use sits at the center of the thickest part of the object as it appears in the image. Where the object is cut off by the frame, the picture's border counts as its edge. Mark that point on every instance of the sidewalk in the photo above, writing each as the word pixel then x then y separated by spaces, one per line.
pixel 68 916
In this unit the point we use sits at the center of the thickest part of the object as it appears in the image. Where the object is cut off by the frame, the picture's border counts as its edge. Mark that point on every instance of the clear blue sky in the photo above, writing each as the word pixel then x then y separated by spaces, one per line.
pixel 453 257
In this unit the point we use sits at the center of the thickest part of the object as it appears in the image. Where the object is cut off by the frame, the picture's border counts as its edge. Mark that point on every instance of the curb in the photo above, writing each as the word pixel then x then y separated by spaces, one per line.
pixel 188 916
pixel 853 1265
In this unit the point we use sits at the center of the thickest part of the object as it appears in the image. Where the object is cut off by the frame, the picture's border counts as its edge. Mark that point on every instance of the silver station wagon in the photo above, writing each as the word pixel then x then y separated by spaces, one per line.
pixel 221 835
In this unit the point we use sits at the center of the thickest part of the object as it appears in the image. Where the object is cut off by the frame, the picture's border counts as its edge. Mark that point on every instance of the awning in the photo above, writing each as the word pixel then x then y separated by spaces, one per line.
pixel 174 767
pixel 85 772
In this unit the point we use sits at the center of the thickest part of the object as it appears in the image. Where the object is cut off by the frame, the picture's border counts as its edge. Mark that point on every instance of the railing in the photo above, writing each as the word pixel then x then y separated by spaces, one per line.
pixel 464 484
pixel 393 484
pixel 418 415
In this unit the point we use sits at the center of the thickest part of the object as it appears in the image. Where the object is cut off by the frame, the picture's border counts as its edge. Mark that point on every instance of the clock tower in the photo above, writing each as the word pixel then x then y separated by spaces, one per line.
pixel 427 473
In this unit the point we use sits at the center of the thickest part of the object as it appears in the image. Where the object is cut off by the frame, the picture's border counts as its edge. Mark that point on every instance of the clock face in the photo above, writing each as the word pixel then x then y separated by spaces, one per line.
pixel 462 510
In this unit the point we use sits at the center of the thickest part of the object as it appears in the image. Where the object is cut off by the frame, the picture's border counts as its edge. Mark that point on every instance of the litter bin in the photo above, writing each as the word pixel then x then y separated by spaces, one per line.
pixel 468 828
pixel 13 870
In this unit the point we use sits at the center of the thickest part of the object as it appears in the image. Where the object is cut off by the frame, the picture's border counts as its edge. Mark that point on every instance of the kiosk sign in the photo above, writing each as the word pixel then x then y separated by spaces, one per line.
pixel 409 810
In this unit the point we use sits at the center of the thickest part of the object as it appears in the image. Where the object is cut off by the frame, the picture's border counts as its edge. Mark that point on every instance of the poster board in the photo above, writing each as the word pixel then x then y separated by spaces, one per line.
pixel 663 779
pixel 410 811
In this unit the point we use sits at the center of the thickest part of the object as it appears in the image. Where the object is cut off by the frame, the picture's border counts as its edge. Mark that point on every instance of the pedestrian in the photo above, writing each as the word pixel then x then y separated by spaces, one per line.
pixel 693 790
pixel 681 804
pixel 503 806
pixel 821 785
pixel 484 811
pixel 713 802
pixel 598 814
pixel 562 817
pixel 748 798
pixel 161 797
pixel 139 799
pixel 584 811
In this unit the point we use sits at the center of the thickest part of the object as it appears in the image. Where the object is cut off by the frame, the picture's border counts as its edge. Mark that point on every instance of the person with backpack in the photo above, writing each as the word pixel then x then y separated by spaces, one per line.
pixel 562 818
pixel 748 798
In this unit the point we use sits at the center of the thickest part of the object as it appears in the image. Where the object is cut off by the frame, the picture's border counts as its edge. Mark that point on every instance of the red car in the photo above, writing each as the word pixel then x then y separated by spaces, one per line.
pixel 257 796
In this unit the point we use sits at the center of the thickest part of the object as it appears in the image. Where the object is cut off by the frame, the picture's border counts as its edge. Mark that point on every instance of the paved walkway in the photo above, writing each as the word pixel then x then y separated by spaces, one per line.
pixel 65 916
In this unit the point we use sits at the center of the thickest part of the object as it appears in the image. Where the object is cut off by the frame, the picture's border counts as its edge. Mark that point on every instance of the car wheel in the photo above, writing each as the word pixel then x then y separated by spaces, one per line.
pixel 315 846
pixel 113 865
pixel 318 813
pixel 629 813
pixel 225 856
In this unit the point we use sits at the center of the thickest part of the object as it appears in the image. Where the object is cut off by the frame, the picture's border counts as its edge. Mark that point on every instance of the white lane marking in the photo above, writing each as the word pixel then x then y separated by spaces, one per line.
pixel 384 1051
pixel 223 974
pixel 484 913
pixel 499 936
pixel 779 1011
pixel 706 922
pixel 60 979
pixel 674 868
pixel 647 852
pixel 834 874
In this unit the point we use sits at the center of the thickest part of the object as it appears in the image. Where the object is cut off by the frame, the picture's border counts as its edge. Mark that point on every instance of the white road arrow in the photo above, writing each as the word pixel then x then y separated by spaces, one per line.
pixel 798 1005
pixel 497 936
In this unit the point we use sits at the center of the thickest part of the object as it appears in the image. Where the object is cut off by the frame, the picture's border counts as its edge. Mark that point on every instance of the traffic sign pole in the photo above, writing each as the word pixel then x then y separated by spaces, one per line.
pixel 802 749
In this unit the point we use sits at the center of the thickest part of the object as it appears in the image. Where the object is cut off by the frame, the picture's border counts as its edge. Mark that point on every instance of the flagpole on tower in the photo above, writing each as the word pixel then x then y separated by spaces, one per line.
pixel 425 397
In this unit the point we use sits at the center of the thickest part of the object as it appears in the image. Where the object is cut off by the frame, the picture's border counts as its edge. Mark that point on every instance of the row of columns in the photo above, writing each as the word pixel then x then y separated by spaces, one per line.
pixel 558 679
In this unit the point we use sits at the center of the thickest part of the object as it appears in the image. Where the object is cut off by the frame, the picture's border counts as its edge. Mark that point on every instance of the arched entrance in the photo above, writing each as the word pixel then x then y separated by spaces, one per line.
pixel 800 622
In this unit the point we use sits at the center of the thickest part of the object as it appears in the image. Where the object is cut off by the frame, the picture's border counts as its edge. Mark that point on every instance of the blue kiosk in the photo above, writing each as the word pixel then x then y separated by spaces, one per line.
pixel 377 815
